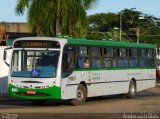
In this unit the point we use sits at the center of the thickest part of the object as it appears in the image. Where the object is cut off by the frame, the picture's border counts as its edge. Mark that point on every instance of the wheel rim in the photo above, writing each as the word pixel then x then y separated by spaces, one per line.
pixel 132 90
pixel 80 95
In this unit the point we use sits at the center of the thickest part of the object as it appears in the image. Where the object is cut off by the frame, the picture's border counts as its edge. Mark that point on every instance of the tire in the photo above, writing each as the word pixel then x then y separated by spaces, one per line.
pixel 80 96
pixel 132 90
pixel 38 102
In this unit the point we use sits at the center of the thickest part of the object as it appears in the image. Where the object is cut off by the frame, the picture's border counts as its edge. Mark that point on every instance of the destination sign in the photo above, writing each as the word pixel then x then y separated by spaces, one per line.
pixel 36 44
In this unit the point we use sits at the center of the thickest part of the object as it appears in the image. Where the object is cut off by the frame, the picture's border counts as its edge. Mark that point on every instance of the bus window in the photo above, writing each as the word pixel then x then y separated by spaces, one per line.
pixel 83 56
pixel 108 52
pixel 68 61
pixel 149 57
pixel 16 62
pixel 96 57
pixel 114 59
pixel 142 58
pixel 153 57
pixel 83 51
pixel 24 63
pixel 133 58
pixel 122 60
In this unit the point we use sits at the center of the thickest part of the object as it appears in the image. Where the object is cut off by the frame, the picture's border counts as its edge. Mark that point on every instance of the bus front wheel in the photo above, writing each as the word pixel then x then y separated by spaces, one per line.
pixel 80 96
pixel 132 90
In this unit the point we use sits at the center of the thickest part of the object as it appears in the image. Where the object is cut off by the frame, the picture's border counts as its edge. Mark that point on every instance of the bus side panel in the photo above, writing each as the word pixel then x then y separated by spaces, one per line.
pixel 117 81
pixel 107 82
pixel 68 91
pixel 147 79
pixel 111 82
pixel 142 85
pixel 70 84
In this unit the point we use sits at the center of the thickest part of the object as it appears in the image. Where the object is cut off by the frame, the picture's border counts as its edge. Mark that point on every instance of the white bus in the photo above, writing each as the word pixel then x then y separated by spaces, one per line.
pixel 44 68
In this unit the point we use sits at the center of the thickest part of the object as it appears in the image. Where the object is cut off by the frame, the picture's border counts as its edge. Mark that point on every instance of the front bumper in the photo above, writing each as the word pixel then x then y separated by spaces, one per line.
pixel 46 93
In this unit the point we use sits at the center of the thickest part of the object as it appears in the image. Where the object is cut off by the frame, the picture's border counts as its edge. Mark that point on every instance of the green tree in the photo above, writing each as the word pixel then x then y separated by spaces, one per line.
pixel 133 28
pixel 54 17
pixel 103 22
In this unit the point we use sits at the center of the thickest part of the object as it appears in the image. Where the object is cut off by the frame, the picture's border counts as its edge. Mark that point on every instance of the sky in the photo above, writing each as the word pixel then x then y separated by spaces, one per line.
pixel 151 7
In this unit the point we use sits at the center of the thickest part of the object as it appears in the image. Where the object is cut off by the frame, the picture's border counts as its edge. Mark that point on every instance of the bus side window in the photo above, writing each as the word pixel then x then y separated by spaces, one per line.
pixel 114 59
pixel 133 58
pixel 149 56
pixel 83 56
pixel 68 60
pixel 82 53
pixel 81 62
pixel 96 57
pixel 122 60
pixel 108 52
pixel 142 58
pixel 153 57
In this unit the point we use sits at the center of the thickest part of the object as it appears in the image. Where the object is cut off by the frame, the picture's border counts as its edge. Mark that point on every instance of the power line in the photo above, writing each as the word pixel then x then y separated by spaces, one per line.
pixel 144 35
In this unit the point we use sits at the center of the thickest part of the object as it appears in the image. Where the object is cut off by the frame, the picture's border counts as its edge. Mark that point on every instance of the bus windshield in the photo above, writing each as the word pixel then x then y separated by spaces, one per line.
pixel 40 64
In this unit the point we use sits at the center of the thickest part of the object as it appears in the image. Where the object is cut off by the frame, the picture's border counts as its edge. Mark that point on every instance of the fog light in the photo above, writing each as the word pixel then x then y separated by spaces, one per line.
pixel 14 90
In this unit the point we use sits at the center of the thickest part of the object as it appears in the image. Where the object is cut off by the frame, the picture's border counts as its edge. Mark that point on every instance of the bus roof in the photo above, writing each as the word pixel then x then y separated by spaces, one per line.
pixel 91 42
pixel 108 43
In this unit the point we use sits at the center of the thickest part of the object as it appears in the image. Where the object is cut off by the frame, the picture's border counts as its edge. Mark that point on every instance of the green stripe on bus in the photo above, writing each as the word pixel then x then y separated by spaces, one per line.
pixel 47 93
pixel 108 43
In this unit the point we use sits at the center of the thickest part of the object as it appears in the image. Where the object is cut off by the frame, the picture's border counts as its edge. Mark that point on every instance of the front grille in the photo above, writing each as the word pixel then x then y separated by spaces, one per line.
pixel 37 94
pixel 31 82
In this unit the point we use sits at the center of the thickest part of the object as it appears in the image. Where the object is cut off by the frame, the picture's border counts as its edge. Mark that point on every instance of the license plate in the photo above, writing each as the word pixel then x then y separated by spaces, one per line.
pixel 31 92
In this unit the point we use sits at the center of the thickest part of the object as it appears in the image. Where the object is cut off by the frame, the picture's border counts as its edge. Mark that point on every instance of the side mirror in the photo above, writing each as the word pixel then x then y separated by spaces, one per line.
pixel 5 55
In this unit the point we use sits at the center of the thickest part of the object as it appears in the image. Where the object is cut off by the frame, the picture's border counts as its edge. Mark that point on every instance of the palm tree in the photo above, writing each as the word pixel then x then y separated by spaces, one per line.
pixel 54 17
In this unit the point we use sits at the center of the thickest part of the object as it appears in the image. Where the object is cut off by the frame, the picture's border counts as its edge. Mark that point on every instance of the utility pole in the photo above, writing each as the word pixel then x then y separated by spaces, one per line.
pixel 137 31
pixel 120 28
pixel 137 34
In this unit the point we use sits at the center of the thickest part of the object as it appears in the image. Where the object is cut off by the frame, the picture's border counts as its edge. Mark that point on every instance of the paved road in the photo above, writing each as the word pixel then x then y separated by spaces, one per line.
pixel 147 101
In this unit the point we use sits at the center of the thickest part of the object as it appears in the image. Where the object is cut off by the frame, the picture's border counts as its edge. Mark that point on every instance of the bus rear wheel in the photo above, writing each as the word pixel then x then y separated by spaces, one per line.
pixel 132 90
pixel 80 96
